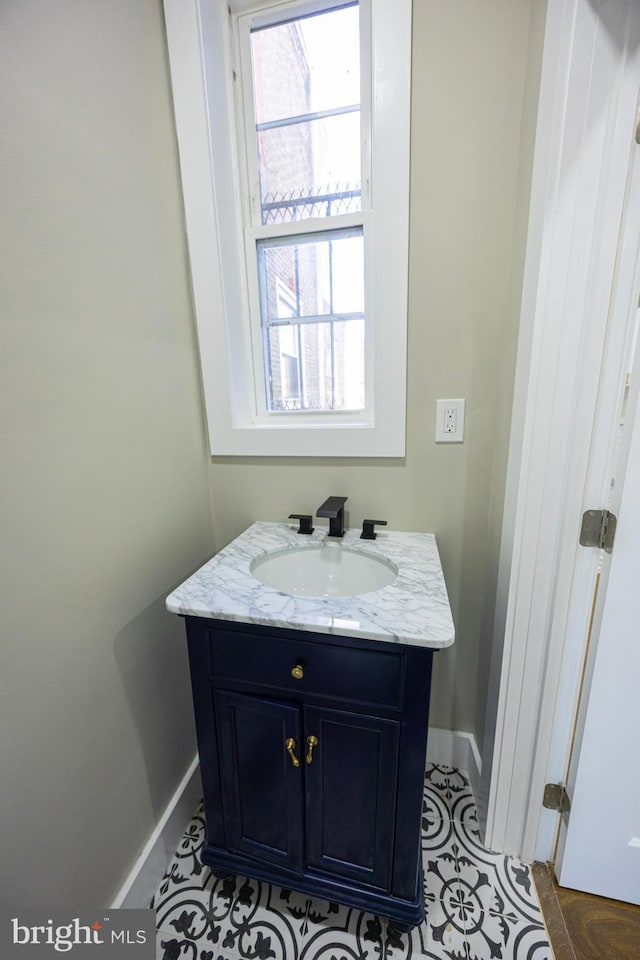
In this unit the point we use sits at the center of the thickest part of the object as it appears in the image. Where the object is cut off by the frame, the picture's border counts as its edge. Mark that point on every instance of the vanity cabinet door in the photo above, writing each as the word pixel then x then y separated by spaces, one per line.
pixel 260 783
pixel 350 786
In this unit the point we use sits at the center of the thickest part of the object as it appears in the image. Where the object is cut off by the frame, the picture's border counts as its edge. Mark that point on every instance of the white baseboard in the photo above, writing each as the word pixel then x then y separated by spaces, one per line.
pixel 149 868
pixel 455 748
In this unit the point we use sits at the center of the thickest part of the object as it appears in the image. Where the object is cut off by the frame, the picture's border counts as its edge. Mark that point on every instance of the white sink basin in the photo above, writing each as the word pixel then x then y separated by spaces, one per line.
pixel 325 570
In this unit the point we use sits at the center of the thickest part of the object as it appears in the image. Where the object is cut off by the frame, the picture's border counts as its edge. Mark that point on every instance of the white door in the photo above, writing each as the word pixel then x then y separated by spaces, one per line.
pixel 599 846
pixel 600 849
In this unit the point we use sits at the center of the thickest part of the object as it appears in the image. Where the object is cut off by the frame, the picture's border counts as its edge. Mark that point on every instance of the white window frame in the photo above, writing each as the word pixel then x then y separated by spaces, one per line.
pixel 216 211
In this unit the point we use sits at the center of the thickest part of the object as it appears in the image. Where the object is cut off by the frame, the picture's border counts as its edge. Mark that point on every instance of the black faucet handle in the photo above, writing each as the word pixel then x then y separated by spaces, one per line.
pixel 305 522
pixel 368 533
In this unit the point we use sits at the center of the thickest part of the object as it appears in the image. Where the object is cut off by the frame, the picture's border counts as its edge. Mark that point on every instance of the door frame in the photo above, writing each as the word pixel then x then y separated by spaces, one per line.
pixel 584 137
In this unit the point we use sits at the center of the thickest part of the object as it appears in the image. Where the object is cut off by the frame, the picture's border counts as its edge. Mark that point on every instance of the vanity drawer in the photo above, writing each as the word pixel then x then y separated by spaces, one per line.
pixel 331 670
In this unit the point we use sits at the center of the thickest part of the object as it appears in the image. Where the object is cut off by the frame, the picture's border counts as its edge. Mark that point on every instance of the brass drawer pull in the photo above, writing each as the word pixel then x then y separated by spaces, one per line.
pixel 290 744
pixel 298 671
pixel 311 743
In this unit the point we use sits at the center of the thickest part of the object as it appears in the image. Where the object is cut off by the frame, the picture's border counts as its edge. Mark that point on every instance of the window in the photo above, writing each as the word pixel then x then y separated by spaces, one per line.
pixel 293 130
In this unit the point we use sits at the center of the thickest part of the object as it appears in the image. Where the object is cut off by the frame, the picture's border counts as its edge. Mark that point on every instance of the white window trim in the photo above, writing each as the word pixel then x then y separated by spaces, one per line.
pixel 200 61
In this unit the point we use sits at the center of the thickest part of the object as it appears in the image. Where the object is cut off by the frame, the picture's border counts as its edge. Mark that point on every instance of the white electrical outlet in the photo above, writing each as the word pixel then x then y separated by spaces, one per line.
pixel 449 421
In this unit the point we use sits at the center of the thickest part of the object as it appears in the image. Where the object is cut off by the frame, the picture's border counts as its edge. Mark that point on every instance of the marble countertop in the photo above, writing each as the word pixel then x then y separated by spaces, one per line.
pixel 412 609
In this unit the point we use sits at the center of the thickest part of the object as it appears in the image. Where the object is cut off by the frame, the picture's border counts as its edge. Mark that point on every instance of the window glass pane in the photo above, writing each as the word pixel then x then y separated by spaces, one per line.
pixel 306 78
pixel 310 277
pixel 310 169
pixel 347 280
pixel 348 361
pixel 307 65
pixel 316 366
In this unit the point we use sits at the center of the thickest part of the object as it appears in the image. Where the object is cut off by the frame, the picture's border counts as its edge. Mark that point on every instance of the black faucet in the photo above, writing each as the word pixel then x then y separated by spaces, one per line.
pixel 334 509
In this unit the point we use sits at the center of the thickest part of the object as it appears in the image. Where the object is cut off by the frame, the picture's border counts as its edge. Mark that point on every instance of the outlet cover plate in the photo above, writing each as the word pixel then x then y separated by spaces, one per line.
pixel 450 421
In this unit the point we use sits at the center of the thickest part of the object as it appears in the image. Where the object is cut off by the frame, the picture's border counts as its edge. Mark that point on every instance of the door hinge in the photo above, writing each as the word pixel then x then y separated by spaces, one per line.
pixel 598 529
pixel 556 798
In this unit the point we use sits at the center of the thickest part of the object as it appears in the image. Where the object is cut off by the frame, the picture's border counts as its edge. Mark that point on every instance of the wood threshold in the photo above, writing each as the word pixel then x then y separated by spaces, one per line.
pixel 582 926
pixel 554 921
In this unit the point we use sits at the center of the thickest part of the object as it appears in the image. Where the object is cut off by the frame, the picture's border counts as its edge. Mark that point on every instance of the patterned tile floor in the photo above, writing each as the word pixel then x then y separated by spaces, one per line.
pixel 479 905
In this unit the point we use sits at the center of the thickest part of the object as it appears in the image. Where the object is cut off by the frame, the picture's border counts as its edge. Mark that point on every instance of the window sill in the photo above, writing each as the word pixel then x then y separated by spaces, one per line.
pixel 308 440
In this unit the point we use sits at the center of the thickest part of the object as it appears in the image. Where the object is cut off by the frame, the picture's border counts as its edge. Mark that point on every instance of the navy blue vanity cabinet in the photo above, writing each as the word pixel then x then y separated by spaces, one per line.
pixel 312 754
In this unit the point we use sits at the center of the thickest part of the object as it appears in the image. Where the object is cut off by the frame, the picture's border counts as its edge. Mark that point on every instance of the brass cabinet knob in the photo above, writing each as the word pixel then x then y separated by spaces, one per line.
pixel 297 672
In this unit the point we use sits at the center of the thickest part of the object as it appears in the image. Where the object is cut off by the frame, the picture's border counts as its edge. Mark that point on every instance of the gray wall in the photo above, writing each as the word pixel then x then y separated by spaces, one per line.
pixel 469 70
pixel 104 496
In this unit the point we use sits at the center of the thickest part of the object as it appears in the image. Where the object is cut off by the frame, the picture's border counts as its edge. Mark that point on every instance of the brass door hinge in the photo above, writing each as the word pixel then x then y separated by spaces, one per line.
pixel 556 798
pixel 598 529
